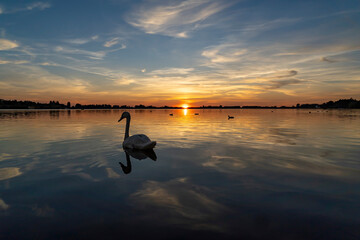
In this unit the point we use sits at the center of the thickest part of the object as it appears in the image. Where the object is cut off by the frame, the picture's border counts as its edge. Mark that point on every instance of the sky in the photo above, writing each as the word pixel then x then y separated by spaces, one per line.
pixel 195 52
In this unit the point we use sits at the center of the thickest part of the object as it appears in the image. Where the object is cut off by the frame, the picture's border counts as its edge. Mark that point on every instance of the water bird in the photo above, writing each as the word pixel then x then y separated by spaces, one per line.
pixel 230 117
pixel 137 141
pixel 196 113
pixel 171 114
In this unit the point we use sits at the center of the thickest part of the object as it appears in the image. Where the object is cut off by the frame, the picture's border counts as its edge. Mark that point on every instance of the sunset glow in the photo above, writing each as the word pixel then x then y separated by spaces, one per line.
pixel 157 52
pixel 185 106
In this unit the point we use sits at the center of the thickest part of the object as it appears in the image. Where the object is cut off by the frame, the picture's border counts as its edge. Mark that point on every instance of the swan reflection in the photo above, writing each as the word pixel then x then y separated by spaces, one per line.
pixel 138 154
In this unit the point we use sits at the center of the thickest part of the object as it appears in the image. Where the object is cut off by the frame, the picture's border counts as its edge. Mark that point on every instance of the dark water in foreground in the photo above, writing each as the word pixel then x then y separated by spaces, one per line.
pixel 286 174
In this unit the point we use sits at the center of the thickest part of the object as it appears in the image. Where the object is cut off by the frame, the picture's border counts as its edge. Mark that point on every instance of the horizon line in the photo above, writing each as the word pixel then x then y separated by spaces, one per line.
pixel 57 105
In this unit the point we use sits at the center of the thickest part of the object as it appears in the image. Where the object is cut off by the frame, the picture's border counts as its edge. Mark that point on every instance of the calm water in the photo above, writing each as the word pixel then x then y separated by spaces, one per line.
pixel 286 174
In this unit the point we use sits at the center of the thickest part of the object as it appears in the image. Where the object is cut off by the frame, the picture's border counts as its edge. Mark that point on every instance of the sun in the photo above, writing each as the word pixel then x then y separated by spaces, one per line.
pixel 185 106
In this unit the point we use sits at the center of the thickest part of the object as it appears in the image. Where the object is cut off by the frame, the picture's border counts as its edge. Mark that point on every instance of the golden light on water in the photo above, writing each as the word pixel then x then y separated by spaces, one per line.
pixel 185 111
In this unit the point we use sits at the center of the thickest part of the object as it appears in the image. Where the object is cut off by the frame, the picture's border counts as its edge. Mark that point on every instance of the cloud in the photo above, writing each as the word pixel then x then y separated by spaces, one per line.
pixel 48 64
pixel 143 70
pixel 280 83
pixel 80 41
pixel 224 53
pixel 13 62
pixel 326 59
pixel 77 41
pixel 175 20
pixel 90 54
pixel 35 80
pixel 290 73
pixel 33 6
pixel 38 5
pixel 7 44
pixel 286 54
pixel 112 42
pixel 172 71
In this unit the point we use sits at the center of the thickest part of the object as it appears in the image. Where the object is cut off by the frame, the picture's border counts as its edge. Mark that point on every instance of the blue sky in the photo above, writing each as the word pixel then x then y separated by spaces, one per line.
pixel 174 52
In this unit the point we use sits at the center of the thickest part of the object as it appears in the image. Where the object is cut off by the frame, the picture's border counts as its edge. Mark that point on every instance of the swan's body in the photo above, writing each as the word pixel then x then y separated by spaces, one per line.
pixel 230 117
pixel 138 141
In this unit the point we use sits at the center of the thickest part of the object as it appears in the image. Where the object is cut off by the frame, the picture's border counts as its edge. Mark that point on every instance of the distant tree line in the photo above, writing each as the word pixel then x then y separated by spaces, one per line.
pixel 342 103
pixel 14 104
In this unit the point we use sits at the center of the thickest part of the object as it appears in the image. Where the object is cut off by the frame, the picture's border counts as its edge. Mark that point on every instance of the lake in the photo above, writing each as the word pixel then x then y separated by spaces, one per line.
pixel 281 174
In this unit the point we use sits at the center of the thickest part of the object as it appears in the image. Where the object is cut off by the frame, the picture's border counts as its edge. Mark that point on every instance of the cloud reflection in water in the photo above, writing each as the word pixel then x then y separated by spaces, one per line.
pixel 181 202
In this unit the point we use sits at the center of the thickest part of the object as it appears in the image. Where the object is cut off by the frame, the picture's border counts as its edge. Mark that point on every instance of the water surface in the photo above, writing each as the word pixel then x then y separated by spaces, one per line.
pixel 285 174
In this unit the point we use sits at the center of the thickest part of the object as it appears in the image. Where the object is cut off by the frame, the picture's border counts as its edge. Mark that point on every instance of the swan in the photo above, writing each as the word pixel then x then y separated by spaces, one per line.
pixel 138 141
pixel 230 117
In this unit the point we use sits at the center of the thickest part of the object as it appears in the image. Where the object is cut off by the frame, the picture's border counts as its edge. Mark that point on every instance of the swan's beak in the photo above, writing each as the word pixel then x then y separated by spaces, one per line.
pixel 121 118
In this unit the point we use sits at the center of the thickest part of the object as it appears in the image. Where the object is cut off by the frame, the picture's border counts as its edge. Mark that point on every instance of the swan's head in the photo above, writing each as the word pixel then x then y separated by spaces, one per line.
pixel 124 115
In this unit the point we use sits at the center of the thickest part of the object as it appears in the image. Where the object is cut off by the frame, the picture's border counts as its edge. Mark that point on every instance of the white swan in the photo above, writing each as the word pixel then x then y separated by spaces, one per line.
pixel 138 141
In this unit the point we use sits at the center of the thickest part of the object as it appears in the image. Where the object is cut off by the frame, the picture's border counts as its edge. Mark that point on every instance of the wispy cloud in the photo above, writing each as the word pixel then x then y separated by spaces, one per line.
pixel 13 62
pixel 90 54
pixel 80 41
pixel 175 20
pixel 38 5
pixel 286 74
pixel 111 42
pixel 286 54
pixel 33 6
pixel 48 64
pixel 7 44
pixel 224 53
pixel 326 59
pixel 172 71
pixel 77 41
pixel 280 83
pixel 270 24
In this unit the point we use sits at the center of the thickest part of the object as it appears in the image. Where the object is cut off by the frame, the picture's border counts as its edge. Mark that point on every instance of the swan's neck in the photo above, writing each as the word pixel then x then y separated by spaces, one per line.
pixel 127 128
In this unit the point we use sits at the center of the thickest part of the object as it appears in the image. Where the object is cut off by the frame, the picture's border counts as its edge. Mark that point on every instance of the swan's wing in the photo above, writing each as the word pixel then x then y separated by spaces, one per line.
pixel 141 138
pixel 139 141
